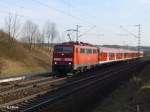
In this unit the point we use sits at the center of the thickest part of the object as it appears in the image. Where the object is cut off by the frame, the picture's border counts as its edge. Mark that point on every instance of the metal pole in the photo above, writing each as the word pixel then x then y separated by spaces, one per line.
pixel 75 30
pixel 139 39
pixel 77 33
pixel 136 36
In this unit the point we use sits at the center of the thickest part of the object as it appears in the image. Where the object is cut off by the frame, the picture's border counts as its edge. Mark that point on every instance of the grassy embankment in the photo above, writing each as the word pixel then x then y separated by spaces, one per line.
pixel 132 96
pixel 17 59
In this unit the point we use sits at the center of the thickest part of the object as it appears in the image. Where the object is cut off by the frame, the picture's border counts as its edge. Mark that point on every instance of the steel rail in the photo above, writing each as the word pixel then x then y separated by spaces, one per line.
pixel 72 91
pixel 64 86
pixel 93 77
pixel 23 83
pixel 30 88
pixel 27 85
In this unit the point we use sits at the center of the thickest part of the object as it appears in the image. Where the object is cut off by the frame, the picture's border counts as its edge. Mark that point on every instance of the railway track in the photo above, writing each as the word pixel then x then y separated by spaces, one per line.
pixel 28 89
pixel 14 85
pixel 12 82
pixel 40 99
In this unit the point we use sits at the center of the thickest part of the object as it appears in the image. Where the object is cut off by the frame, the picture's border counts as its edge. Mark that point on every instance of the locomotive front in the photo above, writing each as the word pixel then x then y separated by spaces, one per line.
pixel 62 59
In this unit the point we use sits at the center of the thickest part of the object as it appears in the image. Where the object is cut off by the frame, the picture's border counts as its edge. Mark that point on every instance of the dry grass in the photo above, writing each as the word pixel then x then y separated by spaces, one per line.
pixel 17 59
pixel 128 96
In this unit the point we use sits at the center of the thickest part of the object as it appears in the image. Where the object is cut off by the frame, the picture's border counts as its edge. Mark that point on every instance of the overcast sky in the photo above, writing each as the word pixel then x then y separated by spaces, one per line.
pixel 106 15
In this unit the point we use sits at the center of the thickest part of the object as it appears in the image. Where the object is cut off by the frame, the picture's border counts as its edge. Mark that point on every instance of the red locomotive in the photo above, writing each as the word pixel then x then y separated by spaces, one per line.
pixel 75 56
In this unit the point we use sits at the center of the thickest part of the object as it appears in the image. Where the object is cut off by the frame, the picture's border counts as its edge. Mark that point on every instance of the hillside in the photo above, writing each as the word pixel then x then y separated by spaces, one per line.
pixel 16 58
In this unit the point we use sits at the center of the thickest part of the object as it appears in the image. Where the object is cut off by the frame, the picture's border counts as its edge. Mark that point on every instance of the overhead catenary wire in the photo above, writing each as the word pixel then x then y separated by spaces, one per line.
pixel 69 4
pixel 128 32
pixel 62 12
pixel 10 12
pixel 53 8
pixel 50 7
pixel 87 31
pixel 6 4
pixel 19 15
pixel 136 36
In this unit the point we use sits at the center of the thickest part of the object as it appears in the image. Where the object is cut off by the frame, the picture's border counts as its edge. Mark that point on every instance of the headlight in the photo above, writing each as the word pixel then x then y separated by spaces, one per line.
pixel 69 63
pixel 55 63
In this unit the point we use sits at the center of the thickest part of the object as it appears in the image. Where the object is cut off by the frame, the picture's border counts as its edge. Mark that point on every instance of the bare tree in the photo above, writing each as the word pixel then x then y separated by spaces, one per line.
pixel 54 32
pixel 47 31
pixel 38 38
pixel 42 38
pixel 29 33
pixel 50 32
pixel 12 25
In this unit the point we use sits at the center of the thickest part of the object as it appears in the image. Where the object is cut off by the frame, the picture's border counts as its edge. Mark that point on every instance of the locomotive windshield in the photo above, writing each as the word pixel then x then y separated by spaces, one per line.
pixel 62 49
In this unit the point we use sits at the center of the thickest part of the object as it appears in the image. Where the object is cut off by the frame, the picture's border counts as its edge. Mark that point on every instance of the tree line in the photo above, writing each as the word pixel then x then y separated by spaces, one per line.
pixel 29 32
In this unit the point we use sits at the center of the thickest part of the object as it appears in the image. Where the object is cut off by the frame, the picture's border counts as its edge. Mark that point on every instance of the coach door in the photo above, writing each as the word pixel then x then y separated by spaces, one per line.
pixel 76 57
pixel 100 55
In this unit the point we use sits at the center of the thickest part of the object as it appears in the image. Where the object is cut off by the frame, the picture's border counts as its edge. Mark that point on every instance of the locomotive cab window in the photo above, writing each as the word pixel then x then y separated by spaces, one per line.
pixel 63 49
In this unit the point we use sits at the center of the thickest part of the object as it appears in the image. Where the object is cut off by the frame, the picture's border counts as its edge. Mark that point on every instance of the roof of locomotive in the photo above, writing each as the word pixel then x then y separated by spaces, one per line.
pixel 76 43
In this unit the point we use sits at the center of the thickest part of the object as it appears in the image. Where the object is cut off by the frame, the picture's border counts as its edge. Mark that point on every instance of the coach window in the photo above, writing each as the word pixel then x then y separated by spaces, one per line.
pixel 94 51
pixel 82 50
pixel 87 51
pixel 90 51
